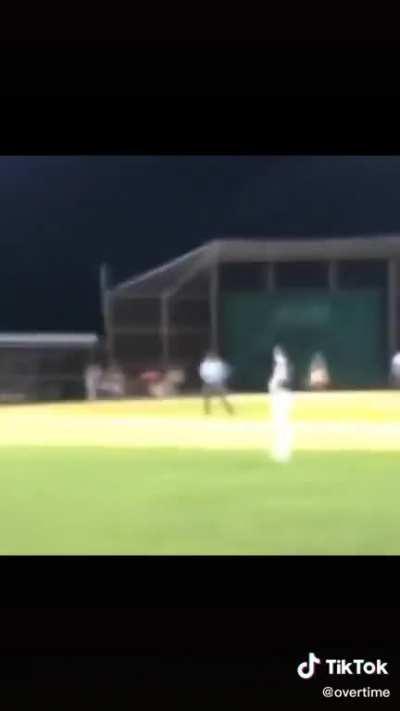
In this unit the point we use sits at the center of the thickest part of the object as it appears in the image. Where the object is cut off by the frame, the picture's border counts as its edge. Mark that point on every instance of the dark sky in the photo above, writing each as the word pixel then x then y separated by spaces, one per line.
pixel 60 217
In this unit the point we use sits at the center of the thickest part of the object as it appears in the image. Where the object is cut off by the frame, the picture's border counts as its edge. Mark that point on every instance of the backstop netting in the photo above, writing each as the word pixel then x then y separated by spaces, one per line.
pixel 241 297
pixel 163 319
pixel 45 367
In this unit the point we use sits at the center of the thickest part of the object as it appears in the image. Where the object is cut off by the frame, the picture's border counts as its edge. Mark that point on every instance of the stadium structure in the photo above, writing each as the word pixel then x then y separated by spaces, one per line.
pixel 240 296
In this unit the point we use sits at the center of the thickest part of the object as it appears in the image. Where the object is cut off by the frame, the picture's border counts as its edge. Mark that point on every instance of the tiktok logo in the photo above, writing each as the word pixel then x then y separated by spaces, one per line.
pixel 307 669
pixel 339 667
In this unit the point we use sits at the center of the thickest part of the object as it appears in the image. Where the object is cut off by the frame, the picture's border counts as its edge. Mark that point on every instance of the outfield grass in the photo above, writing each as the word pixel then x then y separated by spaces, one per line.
pixel 157 477
pixel 87 500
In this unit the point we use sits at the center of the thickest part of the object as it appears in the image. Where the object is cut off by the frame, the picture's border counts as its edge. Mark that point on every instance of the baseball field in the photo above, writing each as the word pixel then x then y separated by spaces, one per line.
pixel 158 477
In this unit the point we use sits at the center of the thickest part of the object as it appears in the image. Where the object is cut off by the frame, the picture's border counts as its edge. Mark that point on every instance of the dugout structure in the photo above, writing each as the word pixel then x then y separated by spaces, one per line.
pixel 340 296
pixel 44 366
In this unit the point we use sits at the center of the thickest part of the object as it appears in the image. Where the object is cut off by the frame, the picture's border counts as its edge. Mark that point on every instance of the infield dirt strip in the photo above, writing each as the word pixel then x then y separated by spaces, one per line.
pixel 84 426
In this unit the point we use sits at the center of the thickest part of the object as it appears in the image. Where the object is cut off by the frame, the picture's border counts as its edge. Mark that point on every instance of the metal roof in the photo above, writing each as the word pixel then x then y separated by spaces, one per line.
pixel 162 279
pixel 48 340
pixel 289 249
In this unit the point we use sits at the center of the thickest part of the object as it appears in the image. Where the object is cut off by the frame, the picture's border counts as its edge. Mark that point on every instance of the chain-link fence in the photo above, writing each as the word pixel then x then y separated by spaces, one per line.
pixel 44 367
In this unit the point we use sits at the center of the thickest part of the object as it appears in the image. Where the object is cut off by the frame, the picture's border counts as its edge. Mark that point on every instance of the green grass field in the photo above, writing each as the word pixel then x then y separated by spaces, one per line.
pixel 159 478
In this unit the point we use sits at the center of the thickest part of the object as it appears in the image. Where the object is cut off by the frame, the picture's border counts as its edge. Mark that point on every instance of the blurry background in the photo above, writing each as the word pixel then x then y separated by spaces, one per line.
pixel 60 217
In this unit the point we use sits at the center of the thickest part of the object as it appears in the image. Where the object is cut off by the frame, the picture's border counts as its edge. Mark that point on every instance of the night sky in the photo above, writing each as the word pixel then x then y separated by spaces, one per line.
pixel 60 217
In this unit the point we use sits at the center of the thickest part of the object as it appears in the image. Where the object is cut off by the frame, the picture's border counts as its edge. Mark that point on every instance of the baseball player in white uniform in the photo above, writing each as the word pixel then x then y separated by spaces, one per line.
pixel 281 405
pixel 93 376
pixel 395 370
pixel 214 374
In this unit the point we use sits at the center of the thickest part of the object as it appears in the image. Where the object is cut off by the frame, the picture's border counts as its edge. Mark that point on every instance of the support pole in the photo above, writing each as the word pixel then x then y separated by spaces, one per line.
pixel 332 275
pixel 165 331
pixel 214 299
pixel 106 310
pixel 271 277
pixel 392 307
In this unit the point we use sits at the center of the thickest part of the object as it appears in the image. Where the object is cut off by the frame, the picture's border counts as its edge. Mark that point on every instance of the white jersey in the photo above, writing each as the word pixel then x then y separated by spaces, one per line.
pixel 281 405
pixel 280 375
pixel 396 365
pixel 213 371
